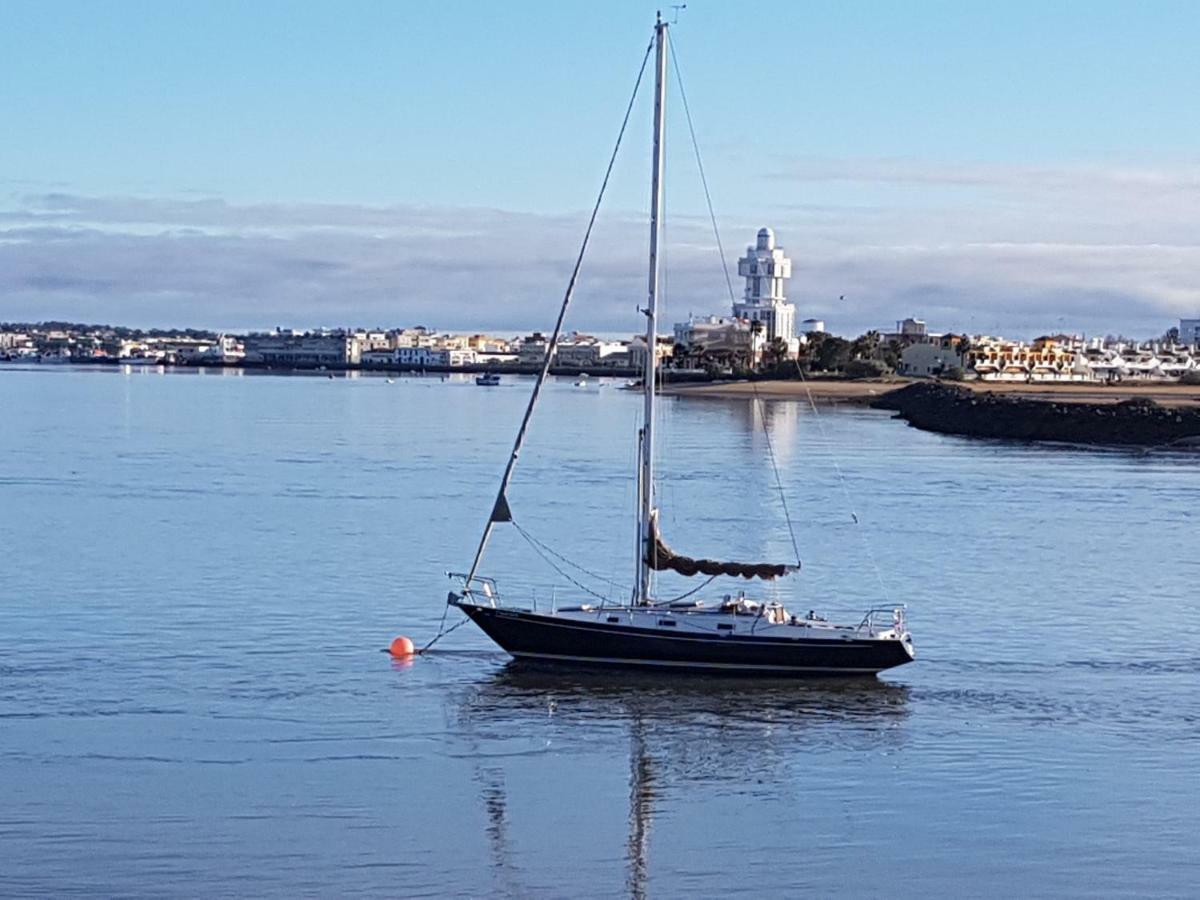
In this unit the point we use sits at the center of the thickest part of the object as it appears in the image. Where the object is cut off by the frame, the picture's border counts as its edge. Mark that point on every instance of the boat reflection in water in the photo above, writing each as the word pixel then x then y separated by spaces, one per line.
pixel 681 731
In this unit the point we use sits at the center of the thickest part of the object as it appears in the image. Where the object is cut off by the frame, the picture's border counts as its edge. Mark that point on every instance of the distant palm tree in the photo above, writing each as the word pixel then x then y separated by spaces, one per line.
pixel 964 351
pixel 865 346
pixel 890 353
pixel 775 352
pixel 680 355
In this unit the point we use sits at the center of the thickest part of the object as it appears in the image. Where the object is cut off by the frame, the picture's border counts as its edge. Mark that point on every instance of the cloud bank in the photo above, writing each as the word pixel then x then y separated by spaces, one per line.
pixel 1010 249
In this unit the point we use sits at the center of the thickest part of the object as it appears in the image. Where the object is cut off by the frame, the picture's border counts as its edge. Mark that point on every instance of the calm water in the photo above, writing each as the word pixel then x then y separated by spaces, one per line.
pixel 200 571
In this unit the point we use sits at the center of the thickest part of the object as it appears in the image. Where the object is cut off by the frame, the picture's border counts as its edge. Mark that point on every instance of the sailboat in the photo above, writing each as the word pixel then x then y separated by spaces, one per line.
pixel 732 634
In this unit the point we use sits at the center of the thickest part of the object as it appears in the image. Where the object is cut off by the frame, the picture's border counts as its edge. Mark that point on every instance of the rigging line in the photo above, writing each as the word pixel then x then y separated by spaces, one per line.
pixel 572 563
pixel 729 284
pixel 687 594
pixel 787 516
pixel 700 165
pixel 883 591
pixel 532 543
pixel 442 633
pixel 501 504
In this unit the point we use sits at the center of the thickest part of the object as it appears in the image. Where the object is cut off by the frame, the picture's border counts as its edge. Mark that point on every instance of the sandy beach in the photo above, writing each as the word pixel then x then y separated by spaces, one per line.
pixel 821 390
pixel 831 391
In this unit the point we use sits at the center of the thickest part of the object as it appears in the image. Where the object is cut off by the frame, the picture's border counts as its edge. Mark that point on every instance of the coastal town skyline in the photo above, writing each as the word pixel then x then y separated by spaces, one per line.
pixel 1015 179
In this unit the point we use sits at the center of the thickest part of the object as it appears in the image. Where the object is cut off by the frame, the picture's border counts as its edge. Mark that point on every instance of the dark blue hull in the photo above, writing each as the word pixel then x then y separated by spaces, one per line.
pixel 553 638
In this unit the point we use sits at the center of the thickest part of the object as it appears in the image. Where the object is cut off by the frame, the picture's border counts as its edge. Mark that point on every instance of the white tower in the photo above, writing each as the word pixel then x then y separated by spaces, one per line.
pixel 765 267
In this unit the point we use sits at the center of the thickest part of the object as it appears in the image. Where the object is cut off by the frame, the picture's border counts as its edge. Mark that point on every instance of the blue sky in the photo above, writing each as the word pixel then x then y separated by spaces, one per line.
pixel 984 165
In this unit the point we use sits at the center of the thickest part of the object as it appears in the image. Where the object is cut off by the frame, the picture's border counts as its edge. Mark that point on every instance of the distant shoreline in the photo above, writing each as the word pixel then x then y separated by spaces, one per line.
pixel 389 369
pixel 864 392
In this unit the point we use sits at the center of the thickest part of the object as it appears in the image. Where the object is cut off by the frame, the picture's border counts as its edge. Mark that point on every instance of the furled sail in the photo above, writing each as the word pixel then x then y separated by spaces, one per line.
pixel 661 558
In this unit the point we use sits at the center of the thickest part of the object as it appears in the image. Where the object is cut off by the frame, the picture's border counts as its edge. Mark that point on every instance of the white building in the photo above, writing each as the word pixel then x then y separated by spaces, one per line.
pixel 12 339
pixel 925 359
pixel 811 326
pixel 765 268
pixel 229 349
pixel 532 350
pixel 589 351
pixel 432 356
pixel 378 357
pixel 718 335
pixel 225 349
pixel 420 336
pixel 375 340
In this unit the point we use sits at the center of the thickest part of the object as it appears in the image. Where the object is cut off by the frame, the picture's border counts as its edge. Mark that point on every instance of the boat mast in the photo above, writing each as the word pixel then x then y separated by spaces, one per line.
pixel 646 474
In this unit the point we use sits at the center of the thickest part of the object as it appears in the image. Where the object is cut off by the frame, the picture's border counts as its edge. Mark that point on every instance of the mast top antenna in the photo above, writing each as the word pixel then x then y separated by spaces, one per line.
pixel 678 7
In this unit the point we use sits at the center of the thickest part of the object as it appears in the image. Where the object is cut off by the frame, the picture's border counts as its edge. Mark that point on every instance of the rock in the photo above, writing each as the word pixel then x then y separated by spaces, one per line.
pixel 952 409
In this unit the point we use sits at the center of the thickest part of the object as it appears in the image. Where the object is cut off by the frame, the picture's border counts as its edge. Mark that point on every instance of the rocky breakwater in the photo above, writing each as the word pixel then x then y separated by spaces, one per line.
pixel 952 409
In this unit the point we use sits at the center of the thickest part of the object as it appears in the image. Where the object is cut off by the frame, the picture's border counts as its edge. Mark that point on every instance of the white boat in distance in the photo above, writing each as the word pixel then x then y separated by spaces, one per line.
pixel 490 379
pixel 731 634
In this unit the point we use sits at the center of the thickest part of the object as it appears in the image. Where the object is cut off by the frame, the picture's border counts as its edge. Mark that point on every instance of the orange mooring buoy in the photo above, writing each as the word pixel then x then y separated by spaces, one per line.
pixel 402 648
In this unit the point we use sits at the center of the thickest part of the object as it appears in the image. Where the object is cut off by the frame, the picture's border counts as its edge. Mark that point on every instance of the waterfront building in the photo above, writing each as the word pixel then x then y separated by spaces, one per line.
pixel 1054 358
pixel 1046 359
pixel 12 339
pixel 188 351
pixel 433 356
pixel 130 349
pixel 486 343
pixel 574 350
pixel 1189 332
pixel 765 268
pixel 933 357
pixel 489 357
pixel 532 349
pixel 17 345
pixel 1141 365
pixel 228 349
pixel 179 350
pixel 188 354
pixel 586 351
pixel 304 350
pixel 419 336
pixel 720 339
pixel 1176 364
pixel 378 357
pixel 663 347
pixel 452 342
pixel 375 340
